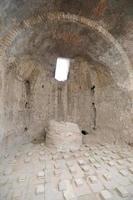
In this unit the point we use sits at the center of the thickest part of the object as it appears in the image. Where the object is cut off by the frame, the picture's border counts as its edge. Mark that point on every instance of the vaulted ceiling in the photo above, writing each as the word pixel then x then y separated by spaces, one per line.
pixel 43 39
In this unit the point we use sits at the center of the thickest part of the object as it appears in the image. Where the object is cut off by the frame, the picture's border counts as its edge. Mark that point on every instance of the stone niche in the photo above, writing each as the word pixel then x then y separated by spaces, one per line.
pixel 64 136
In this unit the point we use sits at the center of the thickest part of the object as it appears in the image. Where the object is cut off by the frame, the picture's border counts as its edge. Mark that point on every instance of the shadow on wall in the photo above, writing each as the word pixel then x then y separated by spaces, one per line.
pixel 41 137
pixel 84 132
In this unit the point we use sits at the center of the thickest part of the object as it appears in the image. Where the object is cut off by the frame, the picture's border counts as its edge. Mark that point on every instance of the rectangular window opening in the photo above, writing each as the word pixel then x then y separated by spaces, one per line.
pixel 62 69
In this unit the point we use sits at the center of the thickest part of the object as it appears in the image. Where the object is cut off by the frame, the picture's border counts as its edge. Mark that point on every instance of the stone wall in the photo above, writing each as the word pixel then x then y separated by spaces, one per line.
pixel 89 98
pixel 99 92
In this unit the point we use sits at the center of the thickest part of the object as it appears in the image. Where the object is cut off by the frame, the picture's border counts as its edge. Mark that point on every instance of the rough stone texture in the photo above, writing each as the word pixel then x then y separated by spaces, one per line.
pixel 97 99
pixel 98 95
pixel 57 180
pixel 64 136
pixel 104 112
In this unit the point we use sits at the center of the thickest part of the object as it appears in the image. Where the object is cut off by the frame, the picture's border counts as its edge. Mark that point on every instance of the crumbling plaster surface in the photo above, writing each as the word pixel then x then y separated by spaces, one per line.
pixel 56 133
pixel 27 117
pixel 30 96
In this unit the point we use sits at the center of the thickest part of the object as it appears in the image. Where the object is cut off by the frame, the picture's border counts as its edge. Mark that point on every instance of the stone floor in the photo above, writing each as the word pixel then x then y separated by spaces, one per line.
pixel 92 173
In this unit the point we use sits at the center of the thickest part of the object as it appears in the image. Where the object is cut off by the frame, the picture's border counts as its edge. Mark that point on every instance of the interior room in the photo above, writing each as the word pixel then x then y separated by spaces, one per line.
pixel 66 100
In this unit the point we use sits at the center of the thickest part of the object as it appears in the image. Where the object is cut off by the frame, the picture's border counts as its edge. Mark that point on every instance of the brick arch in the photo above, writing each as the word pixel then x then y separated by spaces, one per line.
pixel 45 18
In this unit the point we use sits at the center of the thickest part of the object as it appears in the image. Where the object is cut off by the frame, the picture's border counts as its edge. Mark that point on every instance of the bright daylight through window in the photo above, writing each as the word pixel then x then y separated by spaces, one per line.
pixel 62 69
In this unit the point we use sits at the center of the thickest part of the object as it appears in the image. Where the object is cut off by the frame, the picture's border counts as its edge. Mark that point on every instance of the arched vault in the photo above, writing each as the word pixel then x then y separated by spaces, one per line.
pixel 122 71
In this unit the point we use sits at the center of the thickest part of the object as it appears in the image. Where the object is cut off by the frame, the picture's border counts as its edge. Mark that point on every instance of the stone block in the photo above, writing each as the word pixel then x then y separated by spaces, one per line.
pixel 41 174
pixel 122 191
pixel 124 172
pixel 93 179
pixel 62 186
pixel 97 166
pixel 42 144
pixel 57 172
pixel 85 168
pixel 57 131
pixel 107 177
pixel 40 189
pixel 72 169
pixel 120 162
pixel 81 162
pixel 131 170
pixel 79 182
pixel 22 178
pixel 57 166
pixel 111 163
pixel 130 160
pixel 29 154
pixel 105 195
pixel 92 160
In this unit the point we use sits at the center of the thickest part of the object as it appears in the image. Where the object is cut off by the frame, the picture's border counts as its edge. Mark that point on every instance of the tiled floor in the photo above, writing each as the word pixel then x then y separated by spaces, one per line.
pixel 92 173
